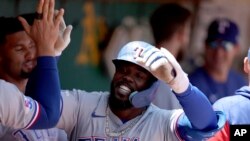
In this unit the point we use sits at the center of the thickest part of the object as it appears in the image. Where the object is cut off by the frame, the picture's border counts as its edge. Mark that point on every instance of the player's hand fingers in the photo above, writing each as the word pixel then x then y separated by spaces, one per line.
pixel 146 57
pixel 62 25
pixel 25 24
pixel 56 12
pixel 51 10
pixel 59 17
pixel 45 9
pixel 154 58
pixel 67 33
pixel 157 64
pixel 39 8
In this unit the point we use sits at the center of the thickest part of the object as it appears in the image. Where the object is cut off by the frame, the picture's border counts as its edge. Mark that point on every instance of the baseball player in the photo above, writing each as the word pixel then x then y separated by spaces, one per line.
pixel 235 107
pixel 126 112
pixel 17 60
pixel 29 112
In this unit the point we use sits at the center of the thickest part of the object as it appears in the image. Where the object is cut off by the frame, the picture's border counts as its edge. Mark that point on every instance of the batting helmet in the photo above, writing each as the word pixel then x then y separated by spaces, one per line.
pixel 127 53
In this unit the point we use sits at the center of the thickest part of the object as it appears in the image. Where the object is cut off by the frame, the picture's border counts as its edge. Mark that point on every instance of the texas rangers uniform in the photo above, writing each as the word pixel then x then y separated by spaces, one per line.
pixel 16 110
pixel 87 117
pixel 19 111
pixel 53 134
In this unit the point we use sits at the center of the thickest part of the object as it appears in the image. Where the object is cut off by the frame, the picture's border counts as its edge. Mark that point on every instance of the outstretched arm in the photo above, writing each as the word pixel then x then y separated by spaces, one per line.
pixel 20 111
pixel 200 121
pixel 43 85
pixel 46 71
pixel 199 114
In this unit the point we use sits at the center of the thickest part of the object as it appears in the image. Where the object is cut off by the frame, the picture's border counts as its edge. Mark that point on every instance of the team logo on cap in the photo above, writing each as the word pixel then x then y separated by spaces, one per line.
pixel 223 24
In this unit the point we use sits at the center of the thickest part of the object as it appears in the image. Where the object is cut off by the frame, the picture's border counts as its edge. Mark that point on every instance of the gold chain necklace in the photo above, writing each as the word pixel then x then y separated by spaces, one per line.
pixel 121 132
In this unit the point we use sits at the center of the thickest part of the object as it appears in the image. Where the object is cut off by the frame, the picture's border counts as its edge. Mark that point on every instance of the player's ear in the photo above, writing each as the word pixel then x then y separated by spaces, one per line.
pixel 180 33
pixel 246 65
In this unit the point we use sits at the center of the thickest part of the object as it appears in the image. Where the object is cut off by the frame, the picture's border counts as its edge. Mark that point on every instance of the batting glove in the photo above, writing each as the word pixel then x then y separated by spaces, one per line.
pixel 162 64
pixel 180 82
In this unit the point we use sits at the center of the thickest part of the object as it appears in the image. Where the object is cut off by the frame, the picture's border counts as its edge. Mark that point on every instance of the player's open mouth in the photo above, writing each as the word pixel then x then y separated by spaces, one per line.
pixel 30 64
pixel 124 90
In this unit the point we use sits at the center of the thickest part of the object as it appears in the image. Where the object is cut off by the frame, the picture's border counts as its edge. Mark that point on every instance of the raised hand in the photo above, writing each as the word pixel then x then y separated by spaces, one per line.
pixel 45 29
pixel 156 62
pixel 180 82
pixel 162 64
pixel 63 39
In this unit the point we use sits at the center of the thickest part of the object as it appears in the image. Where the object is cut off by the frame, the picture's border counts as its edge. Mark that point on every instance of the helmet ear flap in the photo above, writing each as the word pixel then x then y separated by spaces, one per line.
pixel 145 97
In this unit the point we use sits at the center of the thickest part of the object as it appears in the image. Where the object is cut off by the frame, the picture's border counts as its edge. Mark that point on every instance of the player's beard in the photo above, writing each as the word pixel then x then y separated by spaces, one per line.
pixel 25 74
pixel 27 68
pixel 117 104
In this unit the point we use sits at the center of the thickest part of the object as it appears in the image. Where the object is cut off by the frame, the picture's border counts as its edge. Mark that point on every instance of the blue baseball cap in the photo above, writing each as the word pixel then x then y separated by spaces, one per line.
pixel 222 29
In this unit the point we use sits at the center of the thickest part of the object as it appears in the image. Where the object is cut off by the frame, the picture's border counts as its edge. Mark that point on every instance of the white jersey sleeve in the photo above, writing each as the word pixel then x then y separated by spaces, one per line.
pixel 16 110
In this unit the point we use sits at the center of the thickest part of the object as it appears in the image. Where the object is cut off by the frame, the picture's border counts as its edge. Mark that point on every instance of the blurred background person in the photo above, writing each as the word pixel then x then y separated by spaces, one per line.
pixel 95 22
pixel 235 107
pixel 171 25
pixel 216 78
pixel 130 29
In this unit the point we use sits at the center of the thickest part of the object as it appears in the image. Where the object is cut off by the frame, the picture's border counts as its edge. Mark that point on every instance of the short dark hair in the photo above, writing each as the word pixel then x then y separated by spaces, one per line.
pixel 167 19
pixel 10 25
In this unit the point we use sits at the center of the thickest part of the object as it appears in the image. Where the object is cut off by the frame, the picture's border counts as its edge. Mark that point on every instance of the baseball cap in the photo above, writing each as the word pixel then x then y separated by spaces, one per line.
pixel 222 31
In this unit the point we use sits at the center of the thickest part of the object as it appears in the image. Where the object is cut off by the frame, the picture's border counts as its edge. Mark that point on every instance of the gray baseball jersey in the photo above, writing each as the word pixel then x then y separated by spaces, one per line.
pixel 87 117
pixel 19 111
pixel 16 110
pixel 53 134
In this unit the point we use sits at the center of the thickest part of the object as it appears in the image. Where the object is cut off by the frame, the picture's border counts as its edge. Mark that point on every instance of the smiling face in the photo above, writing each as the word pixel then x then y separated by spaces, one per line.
pixel 127 79
pixel 17 57
pixel 220 58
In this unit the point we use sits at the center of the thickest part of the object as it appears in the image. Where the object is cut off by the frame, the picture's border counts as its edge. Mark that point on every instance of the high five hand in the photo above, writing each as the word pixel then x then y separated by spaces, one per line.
pixel 45 29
